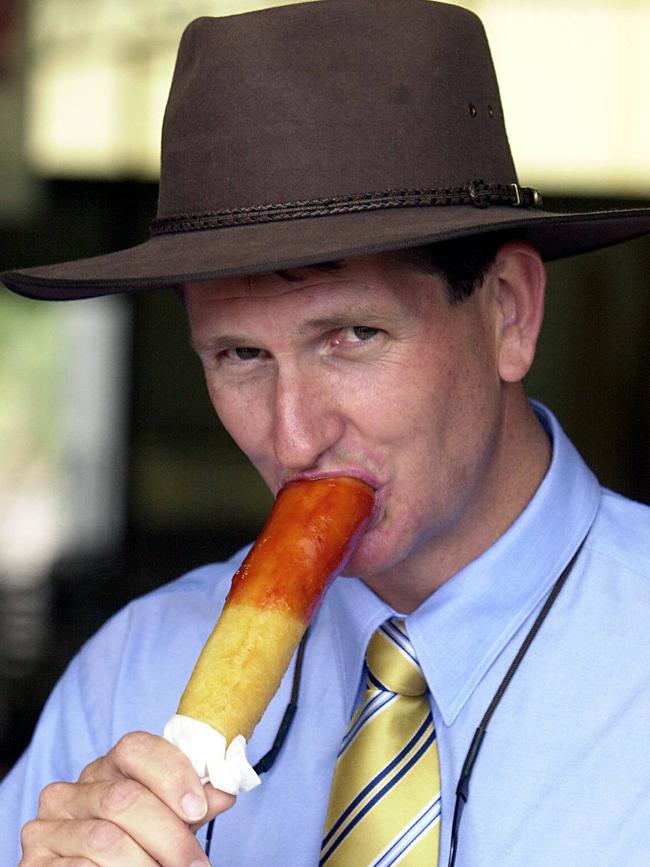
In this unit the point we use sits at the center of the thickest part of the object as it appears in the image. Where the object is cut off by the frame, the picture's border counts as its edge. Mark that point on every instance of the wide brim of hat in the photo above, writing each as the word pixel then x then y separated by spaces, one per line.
pixel 175 259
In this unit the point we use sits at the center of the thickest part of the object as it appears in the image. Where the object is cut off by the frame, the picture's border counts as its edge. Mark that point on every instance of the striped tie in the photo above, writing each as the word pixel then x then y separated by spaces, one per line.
pixel 385 799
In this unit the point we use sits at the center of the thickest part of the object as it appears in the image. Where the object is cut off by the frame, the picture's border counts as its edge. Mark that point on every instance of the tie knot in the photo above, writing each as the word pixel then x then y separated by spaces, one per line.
pixel 391 661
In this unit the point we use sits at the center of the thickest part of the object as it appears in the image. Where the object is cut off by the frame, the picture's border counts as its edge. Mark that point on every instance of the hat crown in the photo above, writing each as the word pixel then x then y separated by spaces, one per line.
pixel 330 99
pixel 325 130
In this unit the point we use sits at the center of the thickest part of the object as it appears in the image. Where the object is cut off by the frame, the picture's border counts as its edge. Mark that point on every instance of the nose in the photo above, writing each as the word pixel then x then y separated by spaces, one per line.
pixel 307 420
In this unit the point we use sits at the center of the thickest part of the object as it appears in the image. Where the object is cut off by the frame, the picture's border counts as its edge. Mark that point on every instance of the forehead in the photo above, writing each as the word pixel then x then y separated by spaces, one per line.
pixel 369 280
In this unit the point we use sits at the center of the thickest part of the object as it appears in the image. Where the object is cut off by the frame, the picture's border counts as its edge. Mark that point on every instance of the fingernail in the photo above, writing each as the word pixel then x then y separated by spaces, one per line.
pixel 193 806
pixel 200 864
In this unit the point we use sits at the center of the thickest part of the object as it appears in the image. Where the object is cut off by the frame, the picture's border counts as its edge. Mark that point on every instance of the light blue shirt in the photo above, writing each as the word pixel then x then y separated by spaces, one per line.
pixel 563 777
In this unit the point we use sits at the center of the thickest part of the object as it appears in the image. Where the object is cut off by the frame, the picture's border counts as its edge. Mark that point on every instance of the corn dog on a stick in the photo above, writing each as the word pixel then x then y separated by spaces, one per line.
pixel 310 534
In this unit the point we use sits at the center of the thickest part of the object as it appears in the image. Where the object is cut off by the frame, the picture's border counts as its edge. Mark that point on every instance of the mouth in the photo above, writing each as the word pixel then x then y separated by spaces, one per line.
pixel 370 480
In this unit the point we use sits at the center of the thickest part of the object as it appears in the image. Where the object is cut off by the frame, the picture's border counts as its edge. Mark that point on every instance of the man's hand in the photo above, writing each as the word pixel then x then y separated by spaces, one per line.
pixel 138 805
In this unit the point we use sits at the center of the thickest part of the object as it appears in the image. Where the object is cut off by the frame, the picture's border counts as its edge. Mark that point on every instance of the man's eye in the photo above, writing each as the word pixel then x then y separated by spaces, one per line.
pixel 364 332
pixel 246 353
pixel 352 336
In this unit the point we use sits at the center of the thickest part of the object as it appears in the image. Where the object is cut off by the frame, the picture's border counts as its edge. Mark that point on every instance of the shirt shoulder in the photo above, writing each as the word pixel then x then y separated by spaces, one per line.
pixel 197 583
pixel 128 676
pixel 134 669
pixel 184 603
pixel 620 534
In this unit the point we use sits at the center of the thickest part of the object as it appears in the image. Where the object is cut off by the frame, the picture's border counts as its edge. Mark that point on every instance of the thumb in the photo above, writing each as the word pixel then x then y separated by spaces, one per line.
pixel 218 802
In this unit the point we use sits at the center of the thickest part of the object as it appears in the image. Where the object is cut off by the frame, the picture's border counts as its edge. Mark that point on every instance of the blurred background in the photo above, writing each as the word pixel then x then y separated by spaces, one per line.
pixel 114 475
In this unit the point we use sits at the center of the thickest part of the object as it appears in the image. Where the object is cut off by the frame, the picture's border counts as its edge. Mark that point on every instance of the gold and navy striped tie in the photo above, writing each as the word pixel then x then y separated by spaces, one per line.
pixel 385 799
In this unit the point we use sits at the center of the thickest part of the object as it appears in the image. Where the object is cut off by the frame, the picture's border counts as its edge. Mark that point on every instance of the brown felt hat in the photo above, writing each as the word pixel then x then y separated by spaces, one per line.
pixel 322 130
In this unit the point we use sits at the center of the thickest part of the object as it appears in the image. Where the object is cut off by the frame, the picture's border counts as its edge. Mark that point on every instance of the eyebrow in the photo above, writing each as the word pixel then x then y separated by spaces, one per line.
pixel 217 344
pixel 357 314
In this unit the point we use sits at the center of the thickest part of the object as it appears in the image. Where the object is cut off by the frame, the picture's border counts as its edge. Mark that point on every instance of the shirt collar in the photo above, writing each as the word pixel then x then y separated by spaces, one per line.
pixel 460 630
pixel 356 613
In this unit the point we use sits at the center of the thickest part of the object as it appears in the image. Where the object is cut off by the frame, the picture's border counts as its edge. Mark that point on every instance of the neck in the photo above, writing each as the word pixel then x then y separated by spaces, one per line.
pixel 521 461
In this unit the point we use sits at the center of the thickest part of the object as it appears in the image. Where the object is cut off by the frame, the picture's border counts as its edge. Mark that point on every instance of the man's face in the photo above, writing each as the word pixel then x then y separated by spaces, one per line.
pixel 366 370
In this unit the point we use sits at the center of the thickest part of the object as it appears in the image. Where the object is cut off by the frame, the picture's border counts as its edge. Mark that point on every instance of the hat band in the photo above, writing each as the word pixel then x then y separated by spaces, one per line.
pixel 476 193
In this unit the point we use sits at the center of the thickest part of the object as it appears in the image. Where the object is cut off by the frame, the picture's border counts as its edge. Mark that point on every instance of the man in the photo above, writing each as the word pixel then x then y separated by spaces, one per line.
pixel 364 281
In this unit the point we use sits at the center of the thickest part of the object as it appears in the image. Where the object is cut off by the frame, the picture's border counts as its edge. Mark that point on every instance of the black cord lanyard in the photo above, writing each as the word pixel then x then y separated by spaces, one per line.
pixel 462 789
pixel 268 759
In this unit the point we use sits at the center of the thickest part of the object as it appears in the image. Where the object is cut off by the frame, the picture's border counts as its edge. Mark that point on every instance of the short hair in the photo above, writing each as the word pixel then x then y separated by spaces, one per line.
pixel 462 263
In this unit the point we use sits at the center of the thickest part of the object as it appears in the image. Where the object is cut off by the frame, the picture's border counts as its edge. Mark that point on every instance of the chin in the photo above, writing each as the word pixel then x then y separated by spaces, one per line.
pixel 369 558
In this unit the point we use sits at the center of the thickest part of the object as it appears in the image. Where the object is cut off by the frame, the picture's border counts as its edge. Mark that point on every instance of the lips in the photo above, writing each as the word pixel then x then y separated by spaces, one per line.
pixel 355 473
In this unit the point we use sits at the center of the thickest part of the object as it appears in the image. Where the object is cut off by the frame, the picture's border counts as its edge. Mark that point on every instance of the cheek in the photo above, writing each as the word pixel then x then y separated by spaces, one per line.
pixel 381 409
pixel 444 410
pixel 242 416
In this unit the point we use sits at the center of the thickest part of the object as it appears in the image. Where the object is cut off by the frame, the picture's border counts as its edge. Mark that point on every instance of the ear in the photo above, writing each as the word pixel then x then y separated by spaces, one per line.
pixel 521 281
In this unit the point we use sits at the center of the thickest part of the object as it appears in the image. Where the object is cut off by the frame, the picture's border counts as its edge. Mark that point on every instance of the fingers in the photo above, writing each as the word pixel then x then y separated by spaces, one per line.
pixel 46 861
pixel 99 843
pixel 134 811
pixel 60 862
pixel 218 802
pixel 102 844
pixel 134 806
pixel 158 766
